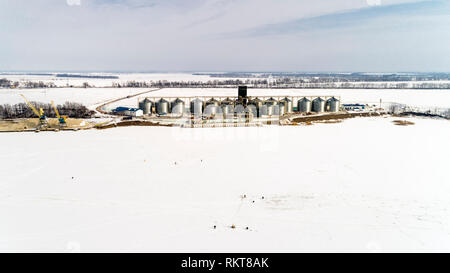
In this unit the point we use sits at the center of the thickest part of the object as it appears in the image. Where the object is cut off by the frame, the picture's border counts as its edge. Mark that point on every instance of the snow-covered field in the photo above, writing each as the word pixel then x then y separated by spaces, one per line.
pixel 122 78
pixel 86 96
pixel 93 96
pixel 361 185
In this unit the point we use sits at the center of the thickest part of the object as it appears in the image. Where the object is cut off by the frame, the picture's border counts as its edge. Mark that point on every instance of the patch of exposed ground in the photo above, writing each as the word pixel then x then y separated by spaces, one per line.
pixel 403 122
pixel 330 121
pixel 418 114
pixel 331 118
pixel 24 125
pixel 132 123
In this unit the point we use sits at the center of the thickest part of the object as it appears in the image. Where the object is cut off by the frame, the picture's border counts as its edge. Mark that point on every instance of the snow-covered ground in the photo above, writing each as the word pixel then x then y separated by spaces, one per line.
pixel 361 185
pixel 86 96
pixel 122 78
pixel 93 96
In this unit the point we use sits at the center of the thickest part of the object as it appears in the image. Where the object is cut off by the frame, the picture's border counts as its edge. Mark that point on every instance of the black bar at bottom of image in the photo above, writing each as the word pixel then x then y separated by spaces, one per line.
pixel 198 262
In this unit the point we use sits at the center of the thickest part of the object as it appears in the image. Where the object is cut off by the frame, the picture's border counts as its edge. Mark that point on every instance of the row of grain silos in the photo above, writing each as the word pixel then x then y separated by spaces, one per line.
pixel 213 107
pixel 285 106
pixel 163 107
pixel 229 107
pixel 318 105
pixel 268 107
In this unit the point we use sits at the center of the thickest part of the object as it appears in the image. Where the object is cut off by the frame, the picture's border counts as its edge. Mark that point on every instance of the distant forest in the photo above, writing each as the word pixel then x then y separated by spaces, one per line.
pixel 85 76
pixel 22 110
pixel 337 77
pixel 271 80
pixel 286 83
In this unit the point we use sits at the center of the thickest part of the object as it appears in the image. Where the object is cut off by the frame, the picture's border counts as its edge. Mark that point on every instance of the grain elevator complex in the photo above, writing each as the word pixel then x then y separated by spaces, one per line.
pixel 256 106
pixel 229 110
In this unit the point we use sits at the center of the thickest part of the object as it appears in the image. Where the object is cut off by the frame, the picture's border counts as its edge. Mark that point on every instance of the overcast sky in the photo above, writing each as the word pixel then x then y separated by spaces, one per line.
pixel 225 35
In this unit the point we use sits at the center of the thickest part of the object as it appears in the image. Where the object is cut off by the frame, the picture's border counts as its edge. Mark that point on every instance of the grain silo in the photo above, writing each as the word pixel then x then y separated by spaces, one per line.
pixel 251 109
pixel 213 110
pixel 318 105
pixel 287 105
pixel 270 108
pixel 239 109
pixel 271 101
pixel 146 106
pixel 258 104
pixel 227 101
pixel 178 107
pixel 162 107
pixel 213 102
pixel 196 106
pixel 304 105
pixel 227 108
pixel 333 105
pixel 280 109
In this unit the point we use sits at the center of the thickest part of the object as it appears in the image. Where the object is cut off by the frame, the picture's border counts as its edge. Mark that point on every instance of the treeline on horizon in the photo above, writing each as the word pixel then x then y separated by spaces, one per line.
pixel 85 76
pixel 275 83
pixel 351 77
pixel 284 84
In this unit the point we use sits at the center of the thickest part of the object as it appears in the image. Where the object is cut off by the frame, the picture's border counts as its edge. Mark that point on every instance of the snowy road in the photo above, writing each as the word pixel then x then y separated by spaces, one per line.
pixel 101 106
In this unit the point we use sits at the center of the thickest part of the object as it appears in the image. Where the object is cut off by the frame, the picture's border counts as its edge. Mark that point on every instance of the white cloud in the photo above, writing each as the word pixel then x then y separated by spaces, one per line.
pixel 374 2
pixel 73 2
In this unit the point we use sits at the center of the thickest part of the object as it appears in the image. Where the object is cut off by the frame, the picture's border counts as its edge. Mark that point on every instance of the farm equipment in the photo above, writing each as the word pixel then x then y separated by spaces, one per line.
pixel 43 122
pixel 62 119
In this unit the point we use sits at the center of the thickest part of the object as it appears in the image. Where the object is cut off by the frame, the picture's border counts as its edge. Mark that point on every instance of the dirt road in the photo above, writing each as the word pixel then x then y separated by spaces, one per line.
pixel 99 108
